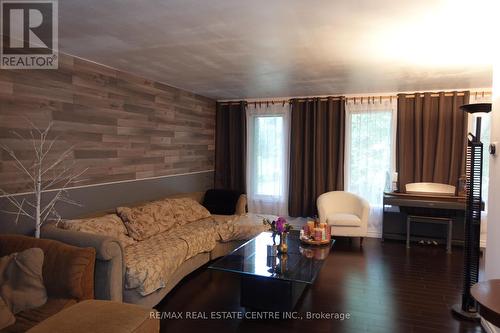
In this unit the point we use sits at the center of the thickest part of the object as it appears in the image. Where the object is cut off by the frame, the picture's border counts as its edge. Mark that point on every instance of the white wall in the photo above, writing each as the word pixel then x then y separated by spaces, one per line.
pixel 493 245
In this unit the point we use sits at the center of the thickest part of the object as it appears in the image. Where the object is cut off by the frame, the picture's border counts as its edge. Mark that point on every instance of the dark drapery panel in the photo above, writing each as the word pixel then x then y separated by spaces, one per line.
pixel 316 152
pixel 230 146
pixel 431 137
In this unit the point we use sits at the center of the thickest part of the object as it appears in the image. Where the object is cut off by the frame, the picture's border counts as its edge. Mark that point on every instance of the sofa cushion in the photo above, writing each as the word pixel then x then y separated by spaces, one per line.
pixel 200 236
pixel 159 216
pixel 222 202
pixel 100 316
pixel 343 220
pixel 148 219
pixel 149 264
pixel 109 225
pixel 21 281
pixel 29 318
pixel 6 316
pixel 187 210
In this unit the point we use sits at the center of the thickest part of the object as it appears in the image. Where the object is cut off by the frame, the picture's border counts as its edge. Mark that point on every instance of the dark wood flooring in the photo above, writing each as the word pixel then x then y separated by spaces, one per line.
pixel 384 287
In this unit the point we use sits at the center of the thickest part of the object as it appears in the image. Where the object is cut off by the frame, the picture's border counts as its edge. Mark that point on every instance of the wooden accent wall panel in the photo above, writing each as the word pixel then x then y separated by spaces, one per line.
pixel 121 126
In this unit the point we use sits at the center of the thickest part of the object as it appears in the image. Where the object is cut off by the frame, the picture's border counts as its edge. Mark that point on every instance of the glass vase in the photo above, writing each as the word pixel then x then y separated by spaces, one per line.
pixel 283 246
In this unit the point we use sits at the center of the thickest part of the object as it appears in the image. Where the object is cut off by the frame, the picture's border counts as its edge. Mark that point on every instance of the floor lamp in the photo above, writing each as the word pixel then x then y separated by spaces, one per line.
pixel 474 168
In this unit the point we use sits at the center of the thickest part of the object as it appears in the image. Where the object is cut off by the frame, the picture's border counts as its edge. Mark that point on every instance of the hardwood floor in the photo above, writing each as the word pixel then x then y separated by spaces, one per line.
pixel 384 287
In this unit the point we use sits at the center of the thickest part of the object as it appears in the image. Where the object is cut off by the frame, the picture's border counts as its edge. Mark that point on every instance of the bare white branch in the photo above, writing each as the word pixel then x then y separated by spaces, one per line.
pixel 33 126
pixel 59 195
pixel 19 164
pixel 41 148
pixel 15 202
pixel 35 146
pixel 49 148
pixel 58 161
pixel 57 178
pixel 14 213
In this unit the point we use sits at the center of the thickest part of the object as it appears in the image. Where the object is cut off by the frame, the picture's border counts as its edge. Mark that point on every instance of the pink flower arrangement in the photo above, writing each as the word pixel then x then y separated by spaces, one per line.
pixel 279 226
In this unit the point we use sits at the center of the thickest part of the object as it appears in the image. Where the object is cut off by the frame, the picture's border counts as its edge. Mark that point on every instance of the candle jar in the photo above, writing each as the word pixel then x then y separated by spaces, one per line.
pixel 310 227
pixel 318 234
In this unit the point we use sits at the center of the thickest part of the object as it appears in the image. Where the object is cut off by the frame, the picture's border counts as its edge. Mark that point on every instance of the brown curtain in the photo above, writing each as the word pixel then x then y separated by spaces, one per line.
pixel 431 137
pixel 316 152
pixel 230 146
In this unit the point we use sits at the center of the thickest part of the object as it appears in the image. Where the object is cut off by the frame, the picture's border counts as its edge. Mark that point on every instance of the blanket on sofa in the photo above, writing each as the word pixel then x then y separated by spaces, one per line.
pixel 151 263
pixel 240 227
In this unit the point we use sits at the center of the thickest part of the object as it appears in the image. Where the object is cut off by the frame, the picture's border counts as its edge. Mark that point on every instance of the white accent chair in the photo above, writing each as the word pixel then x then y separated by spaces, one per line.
pixel 346 213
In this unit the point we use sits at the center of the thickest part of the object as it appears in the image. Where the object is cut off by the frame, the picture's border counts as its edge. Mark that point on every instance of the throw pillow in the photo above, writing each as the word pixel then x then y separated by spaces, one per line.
pixel 187 210
pixel 6 316
pixel 148 219
pixel 221 202
pixel 109 225
pixel 21 281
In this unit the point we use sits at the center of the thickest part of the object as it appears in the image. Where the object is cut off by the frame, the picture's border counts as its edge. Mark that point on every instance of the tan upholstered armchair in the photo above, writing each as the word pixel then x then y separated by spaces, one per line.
pixel 68 274
pixel 346 213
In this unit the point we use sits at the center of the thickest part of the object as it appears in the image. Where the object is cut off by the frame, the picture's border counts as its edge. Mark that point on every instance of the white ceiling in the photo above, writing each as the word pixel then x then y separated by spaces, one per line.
pixel 229 49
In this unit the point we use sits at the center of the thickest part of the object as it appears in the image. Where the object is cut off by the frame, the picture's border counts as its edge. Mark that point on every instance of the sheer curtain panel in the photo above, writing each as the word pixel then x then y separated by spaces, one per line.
pixel 267 157
pixel 370 152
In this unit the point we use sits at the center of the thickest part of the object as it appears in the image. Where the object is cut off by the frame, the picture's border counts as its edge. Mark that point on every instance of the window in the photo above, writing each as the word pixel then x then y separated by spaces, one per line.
pixel 370 153
pixel 267 159
pixel 268 155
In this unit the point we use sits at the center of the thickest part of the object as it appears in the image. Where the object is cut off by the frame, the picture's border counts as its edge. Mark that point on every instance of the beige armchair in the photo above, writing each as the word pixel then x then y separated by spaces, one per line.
pixel 346 213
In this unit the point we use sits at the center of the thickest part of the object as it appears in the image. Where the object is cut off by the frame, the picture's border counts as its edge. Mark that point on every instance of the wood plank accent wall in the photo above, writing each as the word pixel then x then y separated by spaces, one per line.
pixel 122 126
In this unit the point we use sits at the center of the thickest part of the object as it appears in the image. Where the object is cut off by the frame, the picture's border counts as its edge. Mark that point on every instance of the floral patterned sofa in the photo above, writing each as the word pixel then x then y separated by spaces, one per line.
pixel 144 250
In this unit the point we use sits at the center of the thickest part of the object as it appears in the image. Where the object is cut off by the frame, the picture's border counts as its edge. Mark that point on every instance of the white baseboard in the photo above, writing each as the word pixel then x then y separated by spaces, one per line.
pixel 489 327
pixel 374 234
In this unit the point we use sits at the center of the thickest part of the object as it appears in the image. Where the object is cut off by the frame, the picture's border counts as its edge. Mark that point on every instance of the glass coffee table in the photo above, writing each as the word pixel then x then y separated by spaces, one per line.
pixel 274 283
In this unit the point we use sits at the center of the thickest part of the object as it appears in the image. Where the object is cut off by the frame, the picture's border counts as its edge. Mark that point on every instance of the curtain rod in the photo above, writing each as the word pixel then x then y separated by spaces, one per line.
pixel 270 102
pixel 447 94
pixel 353 98
pixel 280 101
pixel 232 102
pixel 333 98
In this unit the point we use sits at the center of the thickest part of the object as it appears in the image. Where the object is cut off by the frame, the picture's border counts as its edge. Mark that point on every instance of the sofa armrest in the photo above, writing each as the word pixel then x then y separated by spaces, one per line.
pixel 241 205
pixel 109 267
pixel 107 248
pixel 364 213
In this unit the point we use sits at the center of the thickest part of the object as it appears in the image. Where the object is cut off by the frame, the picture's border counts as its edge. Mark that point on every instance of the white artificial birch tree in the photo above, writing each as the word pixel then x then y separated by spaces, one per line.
pixel 48 176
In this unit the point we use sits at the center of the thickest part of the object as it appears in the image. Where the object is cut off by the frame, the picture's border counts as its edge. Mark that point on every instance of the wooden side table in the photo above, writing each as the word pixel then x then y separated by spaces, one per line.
pixel 487 294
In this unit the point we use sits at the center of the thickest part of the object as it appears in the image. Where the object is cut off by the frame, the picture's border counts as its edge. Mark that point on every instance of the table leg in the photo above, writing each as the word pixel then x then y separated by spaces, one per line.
pixel 450 233
pixel 408 223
